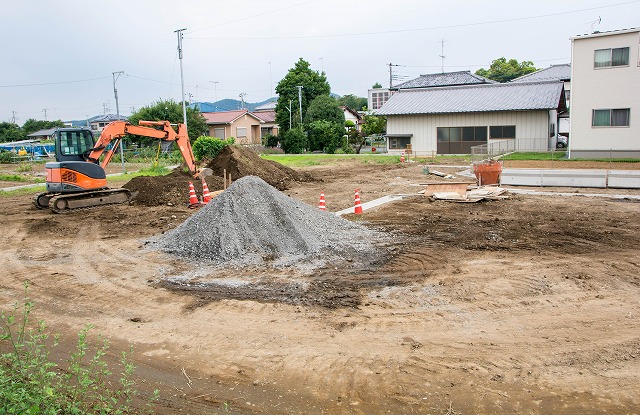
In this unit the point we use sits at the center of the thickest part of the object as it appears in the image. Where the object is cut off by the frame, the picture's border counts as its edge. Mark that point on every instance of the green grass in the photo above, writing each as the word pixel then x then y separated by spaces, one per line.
pixel 551 155
pixel 305 160
pixel 13 178
pixel 27 191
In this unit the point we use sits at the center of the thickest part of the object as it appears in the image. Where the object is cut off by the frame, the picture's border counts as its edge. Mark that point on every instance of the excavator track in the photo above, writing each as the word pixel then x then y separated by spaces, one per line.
pixel 62 203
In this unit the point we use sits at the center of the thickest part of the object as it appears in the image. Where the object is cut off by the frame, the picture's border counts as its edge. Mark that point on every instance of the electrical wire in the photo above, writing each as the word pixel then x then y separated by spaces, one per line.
pixel 514 19
pixel 54 83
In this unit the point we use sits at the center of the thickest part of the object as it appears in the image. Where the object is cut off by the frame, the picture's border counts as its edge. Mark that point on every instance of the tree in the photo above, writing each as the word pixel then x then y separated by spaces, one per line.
pixel 374 124
pixel 170 110
pixel 324 107
pixel 10 132
pixel 314 84
pixel 376 86
pixel 325 135
pixel 294 141
pixel 32 125
pixel 353 102
pixel 503 70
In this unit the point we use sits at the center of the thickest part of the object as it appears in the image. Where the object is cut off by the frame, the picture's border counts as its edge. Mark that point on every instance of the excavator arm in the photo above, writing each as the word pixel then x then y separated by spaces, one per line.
pixel 115 131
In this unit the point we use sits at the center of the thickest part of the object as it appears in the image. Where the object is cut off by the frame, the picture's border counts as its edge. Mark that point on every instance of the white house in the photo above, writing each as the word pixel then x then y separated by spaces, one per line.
pixel 560 72
pixel 605 101
pixel 450 120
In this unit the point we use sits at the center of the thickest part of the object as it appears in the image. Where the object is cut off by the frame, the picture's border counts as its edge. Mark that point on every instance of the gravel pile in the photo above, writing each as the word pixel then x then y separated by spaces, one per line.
pixel 252 223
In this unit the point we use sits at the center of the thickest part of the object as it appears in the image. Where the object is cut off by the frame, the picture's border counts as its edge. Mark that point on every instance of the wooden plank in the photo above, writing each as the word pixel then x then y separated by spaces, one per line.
pixel 459 188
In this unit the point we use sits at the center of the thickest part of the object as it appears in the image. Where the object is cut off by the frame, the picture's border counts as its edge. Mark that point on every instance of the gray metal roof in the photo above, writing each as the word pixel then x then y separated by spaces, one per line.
pixel 42 133
pixel 560 72
pixel 476 98
pixel 445 79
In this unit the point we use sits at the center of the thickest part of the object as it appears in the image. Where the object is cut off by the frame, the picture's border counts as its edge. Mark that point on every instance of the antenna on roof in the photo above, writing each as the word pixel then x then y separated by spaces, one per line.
pixel 594 23
pixel 442 54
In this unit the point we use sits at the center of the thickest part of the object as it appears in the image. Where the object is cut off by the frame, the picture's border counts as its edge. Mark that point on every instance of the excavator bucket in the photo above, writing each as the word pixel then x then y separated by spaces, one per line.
pixel 204 173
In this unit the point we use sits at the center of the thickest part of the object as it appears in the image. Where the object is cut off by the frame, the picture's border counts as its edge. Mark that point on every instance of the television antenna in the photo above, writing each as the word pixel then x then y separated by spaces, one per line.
pixel 594 23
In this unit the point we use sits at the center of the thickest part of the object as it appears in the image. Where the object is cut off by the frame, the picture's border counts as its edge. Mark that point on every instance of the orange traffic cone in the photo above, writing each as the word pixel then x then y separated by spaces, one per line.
pixel 402 157
pixel 358 207
pixel 321 204
pixel 193 199
pixel 206 197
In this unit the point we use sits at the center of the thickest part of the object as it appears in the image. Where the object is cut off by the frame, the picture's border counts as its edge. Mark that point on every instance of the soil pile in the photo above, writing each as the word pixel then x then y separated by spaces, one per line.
pixel 241 162
pixel 252 223
pixel 172 189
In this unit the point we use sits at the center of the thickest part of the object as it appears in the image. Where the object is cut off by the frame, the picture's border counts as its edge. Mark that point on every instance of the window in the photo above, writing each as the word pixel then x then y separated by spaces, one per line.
pixel 604 58
pixel 502 131
pixel 378 99
pixel 73 143
pixel 241 131
pixel 611 117
pixel 398 143
pixel 219 133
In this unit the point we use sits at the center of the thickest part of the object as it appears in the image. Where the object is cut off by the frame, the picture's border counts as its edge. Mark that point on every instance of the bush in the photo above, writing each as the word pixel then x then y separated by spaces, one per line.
pixel 207 148
pixel 270 140
pixel 295 141
pixel 6 157
pixel 31 383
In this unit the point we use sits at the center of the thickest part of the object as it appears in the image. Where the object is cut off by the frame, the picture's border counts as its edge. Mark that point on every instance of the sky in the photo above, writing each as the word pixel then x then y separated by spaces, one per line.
pixel 59 56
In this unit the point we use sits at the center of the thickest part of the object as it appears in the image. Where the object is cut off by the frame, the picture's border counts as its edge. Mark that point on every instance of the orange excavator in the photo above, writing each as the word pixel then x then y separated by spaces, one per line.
pixel 77 179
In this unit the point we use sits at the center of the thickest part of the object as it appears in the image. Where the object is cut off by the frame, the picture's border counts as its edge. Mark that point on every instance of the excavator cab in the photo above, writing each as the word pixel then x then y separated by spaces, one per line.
pixel 73 171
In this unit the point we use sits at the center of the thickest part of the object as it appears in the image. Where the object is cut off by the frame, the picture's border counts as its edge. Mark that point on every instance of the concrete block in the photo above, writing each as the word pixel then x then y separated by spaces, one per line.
pixel 626 179
pixel 554 177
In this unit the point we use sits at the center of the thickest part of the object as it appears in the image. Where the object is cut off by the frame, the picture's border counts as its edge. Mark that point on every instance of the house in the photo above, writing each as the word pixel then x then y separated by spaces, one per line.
pixel 241 124
pixel 269 126
pixel 42 135
pixel 377 97
pixel 453 119
pixel 560 72
pixel 98 123
pixel 605 107
pixel 353 116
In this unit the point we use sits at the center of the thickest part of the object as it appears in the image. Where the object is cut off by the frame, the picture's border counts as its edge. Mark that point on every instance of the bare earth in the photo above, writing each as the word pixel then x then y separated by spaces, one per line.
pixel 529 305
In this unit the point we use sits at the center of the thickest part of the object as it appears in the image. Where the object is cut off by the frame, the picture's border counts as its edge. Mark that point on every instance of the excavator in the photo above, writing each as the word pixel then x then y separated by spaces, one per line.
pixel 77 179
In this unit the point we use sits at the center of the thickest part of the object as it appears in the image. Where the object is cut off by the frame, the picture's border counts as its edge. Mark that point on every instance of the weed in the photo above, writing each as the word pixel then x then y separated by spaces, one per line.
pixel 25 167
pixel 31 383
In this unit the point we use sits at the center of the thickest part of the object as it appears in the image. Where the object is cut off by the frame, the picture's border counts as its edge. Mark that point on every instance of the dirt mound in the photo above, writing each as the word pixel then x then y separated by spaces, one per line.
pixel 252 223
pixel 172 189
pixel 241 162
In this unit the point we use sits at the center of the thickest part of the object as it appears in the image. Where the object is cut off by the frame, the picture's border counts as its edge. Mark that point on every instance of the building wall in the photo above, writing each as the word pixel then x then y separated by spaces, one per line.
pixel 251 125
pixel 604 88
pixel 532 127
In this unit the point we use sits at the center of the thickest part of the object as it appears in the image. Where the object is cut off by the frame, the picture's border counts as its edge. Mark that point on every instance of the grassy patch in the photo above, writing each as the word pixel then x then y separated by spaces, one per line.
pixel 548 155
pixel 13 178
pixel 32 383
pixel 27 191
pixel 119 179
pixel 304 160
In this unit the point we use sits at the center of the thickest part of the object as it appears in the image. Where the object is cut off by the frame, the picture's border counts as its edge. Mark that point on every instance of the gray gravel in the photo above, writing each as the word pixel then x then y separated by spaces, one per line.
pixel 252 223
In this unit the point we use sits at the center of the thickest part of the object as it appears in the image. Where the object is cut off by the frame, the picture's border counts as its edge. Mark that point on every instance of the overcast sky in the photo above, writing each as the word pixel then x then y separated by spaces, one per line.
pixel 59 55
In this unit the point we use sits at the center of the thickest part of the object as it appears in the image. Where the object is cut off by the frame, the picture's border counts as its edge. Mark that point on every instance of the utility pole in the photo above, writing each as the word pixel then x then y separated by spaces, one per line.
pixel 115 94
pixel 215 89
pixel 290 101
pixel 184 104
pixel 45 113
pixel 242 95
pixel 442 54
pixel 300 102
pixel 13 117
pixel 390 75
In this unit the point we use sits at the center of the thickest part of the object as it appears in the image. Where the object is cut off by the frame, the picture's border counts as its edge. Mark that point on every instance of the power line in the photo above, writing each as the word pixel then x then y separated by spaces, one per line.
pixel 513 19
pixel 252 17
pixel 55 83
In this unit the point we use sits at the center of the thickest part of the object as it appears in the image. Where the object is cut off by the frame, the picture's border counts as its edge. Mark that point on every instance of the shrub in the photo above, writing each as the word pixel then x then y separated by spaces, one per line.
pixel 207 148
pixel 295 141
pixel 6 157
pixel 31 383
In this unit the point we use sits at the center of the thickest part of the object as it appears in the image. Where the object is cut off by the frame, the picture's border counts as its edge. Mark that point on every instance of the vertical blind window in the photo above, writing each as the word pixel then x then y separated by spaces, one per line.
pixel 604 58
pixel 611 117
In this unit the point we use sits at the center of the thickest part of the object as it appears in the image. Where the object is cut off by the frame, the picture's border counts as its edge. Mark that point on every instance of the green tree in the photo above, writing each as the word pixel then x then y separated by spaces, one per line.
pixel 353 102
pixel 170 110
pixel 376 86
pixel 32 125
pixel 10 132
pixel 374 124
pixel 294 140
pixel 314 84
pixel 324 107
pixel 503 70
pixel 325 135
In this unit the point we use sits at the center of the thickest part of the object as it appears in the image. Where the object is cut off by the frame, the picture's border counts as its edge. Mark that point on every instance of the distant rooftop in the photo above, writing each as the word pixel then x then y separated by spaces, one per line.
pixel 561 72
pixel 607 33
pixel 226 117
pixel 445 79
pixel 476 98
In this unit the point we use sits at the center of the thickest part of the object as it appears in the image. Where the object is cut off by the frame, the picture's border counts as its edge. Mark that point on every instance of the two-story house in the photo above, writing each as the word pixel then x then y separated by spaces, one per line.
pixel 605 95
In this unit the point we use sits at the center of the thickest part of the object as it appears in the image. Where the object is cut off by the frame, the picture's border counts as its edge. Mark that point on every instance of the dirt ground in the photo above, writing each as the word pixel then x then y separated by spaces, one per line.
pixel 529 305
